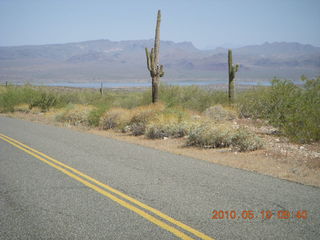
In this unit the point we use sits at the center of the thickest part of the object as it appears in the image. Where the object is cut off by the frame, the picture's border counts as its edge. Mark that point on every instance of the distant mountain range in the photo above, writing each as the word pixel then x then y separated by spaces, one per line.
pixel 122 61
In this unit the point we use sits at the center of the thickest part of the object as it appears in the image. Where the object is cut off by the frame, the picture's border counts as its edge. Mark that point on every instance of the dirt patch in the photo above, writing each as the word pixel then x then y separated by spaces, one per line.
pixel 279 158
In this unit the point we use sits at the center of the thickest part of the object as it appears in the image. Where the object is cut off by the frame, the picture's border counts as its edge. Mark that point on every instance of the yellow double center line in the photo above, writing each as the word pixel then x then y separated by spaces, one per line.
pixel 112 193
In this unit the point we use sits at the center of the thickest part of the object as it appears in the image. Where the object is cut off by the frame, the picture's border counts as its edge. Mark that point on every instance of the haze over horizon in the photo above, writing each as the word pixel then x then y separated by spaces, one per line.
pixel 206 23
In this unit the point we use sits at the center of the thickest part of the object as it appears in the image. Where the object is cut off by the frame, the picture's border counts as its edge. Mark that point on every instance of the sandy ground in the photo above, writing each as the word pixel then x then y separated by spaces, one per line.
pixel 279 158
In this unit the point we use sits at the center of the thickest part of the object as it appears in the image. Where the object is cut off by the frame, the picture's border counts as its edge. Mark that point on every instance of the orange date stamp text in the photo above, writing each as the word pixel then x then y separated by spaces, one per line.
pixel 263 214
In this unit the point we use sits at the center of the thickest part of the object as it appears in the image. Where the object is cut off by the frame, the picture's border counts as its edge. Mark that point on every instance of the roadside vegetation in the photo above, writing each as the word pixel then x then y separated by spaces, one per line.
pixel 295 110
pixel 204 118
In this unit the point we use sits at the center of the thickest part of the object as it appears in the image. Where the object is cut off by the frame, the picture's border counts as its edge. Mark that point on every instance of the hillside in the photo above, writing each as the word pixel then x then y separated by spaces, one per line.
pixel 105 60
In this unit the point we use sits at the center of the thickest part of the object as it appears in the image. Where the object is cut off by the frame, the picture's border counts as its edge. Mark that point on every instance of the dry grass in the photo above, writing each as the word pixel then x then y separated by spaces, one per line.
pixel 155 121
pixel 219 113
pixel 141 116
pixel 168 125
pixel 75 115
pixel 117 118
pixel 134 120
pixel 211 135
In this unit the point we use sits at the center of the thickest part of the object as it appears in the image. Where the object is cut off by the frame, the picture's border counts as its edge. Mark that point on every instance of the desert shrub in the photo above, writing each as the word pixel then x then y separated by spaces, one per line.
pixel 44 101
pixel 141 116
pixel 60 116
pixel 161 130
pixel 9 98
pixel 219 113
pixel 254 103
pixel 137 128
pixel 115 118
pixel 245 140
pixel 22 108
pixel 282 99
pixel 2 89
pixel 208 135
pixel 76 115
pixel 301 121
pixel 12 96
pixel 294 110
pixel 96 114
pixel 169 123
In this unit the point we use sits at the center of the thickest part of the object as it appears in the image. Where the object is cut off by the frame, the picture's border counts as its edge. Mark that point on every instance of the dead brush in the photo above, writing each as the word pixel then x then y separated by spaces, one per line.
pixel 76 115
pixel 141 116
pixel 209 135
pixel 167 125
pixel 219 113
pixel 117 118
pixel 245 140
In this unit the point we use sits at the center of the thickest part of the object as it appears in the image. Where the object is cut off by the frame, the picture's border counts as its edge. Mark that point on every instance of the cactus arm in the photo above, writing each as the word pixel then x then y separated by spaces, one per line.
pixel 161 72
pixel 148 59
pixel 237 67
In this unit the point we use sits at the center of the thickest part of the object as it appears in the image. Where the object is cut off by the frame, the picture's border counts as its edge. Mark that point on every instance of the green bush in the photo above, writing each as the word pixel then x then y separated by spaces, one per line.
pixel 9 98
pixel 32 96
pixel 302 121
pixel 96 114
pixel 294 110
pixel 44 101
pixel 254 103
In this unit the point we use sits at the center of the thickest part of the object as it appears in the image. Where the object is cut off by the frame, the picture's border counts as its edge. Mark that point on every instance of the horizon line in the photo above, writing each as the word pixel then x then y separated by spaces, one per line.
pixel 221 45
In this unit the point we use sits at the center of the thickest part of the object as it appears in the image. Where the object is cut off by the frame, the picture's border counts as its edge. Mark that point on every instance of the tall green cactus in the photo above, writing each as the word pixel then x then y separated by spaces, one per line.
pixel 232 72
pixel 156 70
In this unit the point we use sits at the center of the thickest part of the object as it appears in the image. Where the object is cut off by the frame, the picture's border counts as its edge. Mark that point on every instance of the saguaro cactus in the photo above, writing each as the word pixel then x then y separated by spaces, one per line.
pixel 101 89
pixel 232 72
pixel 156 70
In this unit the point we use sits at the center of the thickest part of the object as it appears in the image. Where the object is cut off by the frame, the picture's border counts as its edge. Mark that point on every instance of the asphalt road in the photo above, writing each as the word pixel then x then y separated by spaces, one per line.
pixel 42 199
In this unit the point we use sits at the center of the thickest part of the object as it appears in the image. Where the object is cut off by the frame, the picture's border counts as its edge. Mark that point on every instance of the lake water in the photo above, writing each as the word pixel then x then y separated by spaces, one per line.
pixel 148 84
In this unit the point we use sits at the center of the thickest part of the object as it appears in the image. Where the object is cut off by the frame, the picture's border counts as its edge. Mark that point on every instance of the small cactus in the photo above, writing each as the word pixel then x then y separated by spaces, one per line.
pixel 101 89
pixel 232 72
pixel 156 70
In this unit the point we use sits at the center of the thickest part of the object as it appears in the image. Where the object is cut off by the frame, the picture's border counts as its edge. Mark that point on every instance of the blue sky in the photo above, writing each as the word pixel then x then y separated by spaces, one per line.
pixel 206 23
